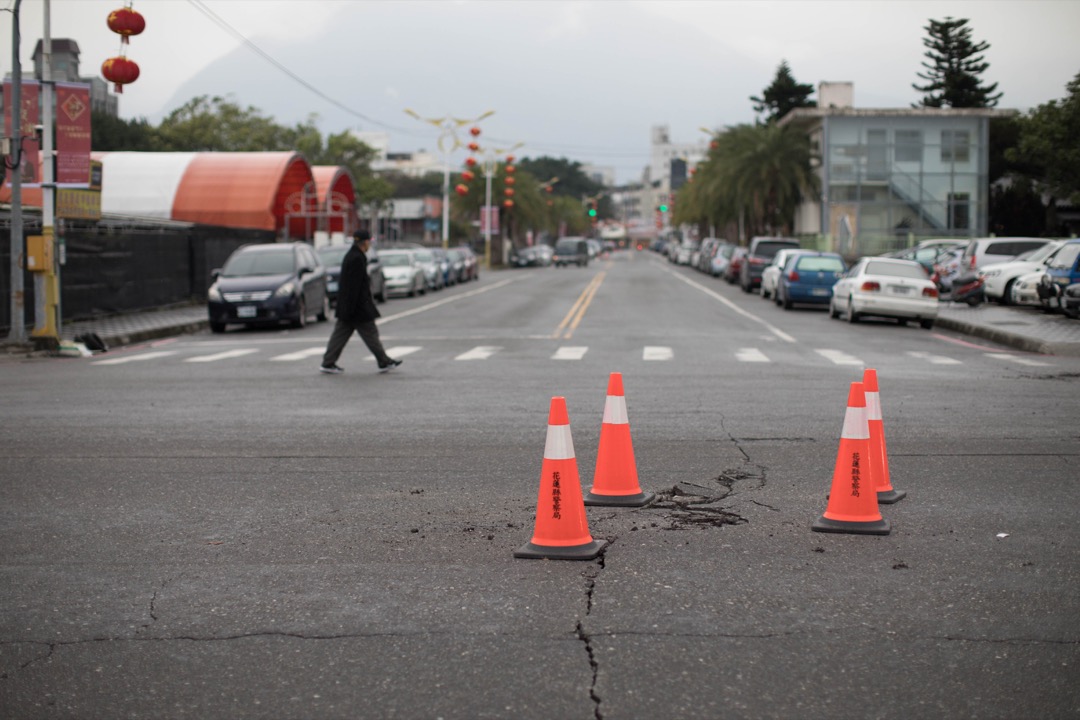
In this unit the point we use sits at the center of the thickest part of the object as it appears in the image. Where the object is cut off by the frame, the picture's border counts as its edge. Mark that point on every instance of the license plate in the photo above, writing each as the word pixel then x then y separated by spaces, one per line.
pixel 246 311
pixel 821 292
pixel 900 289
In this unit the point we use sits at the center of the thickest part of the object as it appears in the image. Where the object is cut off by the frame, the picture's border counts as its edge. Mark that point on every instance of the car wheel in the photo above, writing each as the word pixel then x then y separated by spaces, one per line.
pixel 1006 294
pixel 927 324
pixel 324 313
pixel 301 317
pixel 852 316
pixel 786 301
pixel 764 292
pixel 217 327
pixel 833 312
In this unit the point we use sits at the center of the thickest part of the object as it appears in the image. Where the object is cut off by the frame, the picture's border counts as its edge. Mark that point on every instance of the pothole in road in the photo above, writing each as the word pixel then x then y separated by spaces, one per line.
pixel 695 505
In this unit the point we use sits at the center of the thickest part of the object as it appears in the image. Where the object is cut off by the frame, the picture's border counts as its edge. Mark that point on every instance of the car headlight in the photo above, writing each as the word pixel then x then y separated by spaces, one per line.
pixel 285 290
pixel 213 294
pixel 990 273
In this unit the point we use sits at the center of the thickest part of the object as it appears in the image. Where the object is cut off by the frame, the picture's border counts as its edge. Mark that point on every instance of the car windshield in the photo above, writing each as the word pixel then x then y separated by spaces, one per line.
pixel 425 256
pixel 896 270
pixel 260 262
pixel 769 249
pixel 394 259
pixel 565 246
pixel 820 264
pixel 333 254
pixel 1039 254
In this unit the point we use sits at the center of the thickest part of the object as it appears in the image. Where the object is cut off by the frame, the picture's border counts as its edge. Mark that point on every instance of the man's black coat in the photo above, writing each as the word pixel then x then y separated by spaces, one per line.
pixel 354 303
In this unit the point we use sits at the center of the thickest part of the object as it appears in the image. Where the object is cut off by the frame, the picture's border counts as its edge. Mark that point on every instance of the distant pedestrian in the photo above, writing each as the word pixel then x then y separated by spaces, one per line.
pixel 356 309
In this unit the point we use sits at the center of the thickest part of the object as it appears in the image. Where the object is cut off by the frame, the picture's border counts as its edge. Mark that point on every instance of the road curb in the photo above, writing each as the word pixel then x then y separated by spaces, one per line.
pixel 1013 340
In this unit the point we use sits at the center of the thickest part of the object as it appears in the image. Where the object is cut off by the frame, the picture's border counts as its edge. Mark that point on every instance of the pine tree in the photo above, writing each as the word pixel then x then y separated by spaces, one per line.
pixel 783 95
pixel 955 64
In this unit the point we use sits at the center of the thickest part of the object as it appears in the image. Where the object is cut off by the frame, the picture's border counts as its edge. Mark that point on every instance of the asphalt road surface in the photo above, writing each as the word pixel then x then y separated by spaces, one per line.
pixel 206 527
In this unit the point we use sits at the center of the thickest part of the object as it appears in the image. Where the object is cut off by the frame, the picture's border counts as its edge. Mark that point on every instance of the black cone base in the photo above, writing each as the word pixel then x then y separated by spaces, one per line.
pixel 588 551
pixel 891 496
pixel 635 500
pixel 872 527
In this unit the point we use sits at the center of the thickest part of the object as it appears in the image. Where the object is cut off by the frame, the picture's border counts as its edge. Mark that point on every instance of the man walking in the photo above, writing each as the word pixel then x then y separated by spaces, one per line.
pixel 355 309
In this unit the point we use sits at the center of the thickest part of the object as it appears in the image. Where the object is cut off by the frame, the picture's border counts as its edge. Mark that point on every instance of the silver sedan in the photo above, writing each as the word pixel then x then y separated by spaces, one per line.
pixel 886 287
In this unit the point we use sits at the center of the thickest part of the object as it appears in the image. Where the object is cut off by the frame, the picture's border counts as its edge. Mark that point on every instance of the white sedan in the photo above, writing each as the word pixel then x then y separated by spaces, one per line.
pixel 998 278
pixel 886 287
pixel 1024 290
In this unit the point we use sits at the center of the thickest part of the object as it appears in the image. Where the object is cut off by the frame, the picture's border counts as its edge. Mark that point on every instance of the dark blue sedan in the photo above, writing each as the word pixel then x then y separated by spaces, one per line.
pixel 808 278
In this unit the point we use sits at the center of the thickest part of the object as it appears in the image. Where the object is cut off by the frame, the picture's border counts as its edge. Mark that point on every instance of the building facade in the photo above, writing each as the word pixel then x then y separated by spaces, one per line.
pixel 891 177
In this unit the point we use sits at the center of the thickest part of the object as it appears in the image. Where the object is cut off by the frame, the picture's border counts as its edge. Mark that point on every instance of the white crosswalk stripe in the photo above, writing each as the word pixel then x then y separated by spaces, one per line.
pixel 839 357
pixel 751 355
pixel 135 358
pixel 1017 359
pixel 568 352
pixel 657 352
pixel 227 355
pixel 934 359
pixel 481 352
pixel 399 352
pixel 300 354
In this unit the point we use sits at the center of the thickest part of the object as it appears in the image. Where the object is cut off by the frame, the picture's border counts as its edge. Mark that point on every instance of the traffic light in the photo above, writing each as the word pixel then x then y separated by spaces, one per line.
pixel 663 207
pixel 592 211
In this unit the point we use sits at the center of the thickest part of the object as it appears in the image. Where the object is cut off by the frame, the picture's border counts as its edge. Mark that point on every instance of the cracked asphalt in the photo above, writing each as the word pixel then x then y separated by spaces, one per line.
pixel 256 540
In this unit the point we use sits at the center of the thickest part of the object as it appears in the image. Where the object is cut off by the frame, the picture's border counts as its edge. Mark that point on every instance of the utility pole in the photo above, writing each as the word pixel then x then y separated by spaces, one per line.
pixel 47 283
pixel 17 331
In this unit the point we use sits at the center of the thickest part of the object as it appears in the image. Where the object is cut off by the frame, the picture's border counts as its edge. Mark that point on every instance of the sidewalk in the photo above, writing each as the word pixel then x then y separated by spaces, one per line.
pixel 1023 328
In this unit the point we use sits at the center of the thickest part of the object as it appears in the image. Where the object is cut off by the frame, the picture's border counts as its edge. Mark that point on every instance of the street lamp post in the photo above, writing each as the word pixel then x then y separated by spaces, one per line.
pixel 447 143
pixel 489 165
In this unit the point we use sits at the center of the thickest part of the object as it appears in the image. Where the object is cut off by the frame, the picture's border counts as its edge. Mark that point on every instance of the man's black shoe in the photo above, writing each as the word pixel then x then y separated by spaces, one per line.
pixel 331 369
pixel 389 365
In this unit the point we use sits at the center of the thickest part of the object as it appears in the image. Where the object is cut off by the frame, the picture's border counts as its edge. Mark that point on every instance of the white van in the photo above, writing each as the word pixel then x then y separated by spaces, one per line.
pixel 983 251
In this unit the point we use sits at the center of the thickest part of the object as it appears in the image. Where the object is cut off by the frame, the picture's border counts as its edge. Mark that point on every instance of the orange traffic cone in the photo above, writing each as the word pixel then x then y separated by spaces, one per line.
pixel 853 506
pixel 879 455
pixel 562 530
pixel 615 481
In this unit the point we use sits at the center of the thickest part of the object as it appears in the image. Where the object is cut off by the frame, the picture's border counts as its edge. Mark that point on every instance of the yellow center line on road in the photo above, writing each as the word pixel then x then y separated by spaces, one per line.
pixel 566 328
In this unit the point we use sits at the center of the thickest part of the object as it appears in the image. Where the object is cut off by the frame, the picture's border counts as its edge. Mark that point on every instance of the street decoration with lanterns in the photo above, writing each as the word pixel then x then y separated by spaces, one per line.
pixel 120 70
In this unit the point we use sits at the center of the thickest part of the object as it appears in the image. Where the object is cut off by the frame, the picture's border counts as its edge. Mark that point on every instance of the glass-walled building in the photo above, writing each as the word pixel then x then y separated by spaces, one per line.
pixel 890 178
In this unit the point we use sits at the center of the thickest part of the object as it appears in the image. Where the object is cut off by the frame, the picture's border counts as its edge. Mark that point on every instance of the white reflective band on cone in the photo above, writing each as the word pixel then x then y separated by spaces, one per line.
pixel 615 410
pixel 873 406
pixel 560 444
pixel 855 424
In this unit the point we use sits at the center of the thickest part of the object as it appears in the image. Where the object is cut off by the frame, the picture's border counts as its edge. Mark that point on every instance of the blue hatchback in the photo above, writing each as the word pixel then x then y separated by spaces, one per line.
pixel 808 278
pixel 1062 270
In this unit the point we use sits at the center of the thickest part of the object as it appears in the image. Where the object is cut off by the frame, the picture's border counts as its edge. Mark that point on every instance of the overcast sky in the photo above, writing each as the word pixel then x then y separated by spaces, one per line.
pixel 584 80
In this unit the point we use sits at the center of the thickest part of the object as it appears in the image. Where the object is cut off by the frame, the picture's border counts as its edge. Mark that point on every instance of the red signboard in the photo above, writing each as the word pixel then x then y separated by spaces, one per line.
pixel 28 118
pixel 72 134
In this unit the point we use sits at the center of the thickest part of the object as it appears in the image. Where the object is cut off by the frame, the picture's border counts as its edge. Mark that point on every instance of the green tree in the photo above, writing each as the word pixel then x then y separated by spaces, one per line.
pixel 573 182
pixel 783 95
pixel 206 124
pixel 955 64
pixel 112 134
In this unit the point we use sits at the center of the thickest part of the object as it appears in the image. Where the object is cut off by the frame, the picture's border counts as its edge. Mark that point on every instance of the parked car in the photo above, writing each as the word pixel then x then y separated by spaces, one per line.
pixel 1062 270
pixel 1070 301
pixel 404 272
pixel 770 276
pixel 947 267
pixel 734 265
pixel 471 269
pixel 760 253
pixel 442 257
pixel 983 251
pixel 268 284
pixel 332 255
pixel 928 252
pixel 1025 289
pixel 571 251
pixel 532 256
pixel 433 274
pixel 886 287
pixel 998 278
pixel 709 247
pixel 720 259
pixel 684 252
pixel 808 278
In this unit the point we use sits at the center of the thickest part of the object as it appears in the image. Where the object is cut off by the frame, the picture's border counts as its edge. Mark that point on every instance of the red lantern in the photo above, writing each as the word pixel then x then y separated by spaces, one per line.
pixel 508 192
pixel 510 169
pixel 509 158
pixel 120 71
pixel 508 204
pixel 549 188
pixel 473 147
pixel 467 176
pixel 126 22
pixel 474 131
pixel 510 180
pixel 714 145
pixel 470 161
pixel 461 190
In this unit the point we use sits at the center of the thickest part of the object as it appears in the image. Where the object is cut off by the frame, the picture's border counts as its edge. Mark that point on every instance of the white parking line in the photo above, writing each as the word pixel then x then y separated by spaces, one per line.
pixel 751 355
pixel 300 354
pixel 1017 359
pixel 135 358
pixel 570 353
pixel 222 355
pixel 657 352
pixel 839 357
pixel 481 352
pixel 934 359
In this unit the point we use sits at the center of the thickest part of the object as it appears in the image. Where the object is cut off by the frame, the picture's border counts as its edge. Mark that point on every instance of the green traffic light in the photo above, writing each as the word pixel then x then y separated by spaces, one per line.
pixel 663 208
pixel 592 212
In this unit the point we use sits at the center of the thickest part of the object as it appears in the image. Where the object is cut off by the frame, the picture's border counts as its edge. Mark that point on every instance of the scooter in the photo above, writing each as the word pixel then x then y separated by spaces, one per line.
pixel 968 288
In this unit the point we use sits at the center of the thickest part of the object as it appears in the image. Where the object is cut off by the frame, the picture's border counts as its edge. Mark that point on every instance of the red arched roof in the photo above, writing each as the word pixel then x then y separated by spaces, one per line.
pixel 249 190
pixel 337 194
